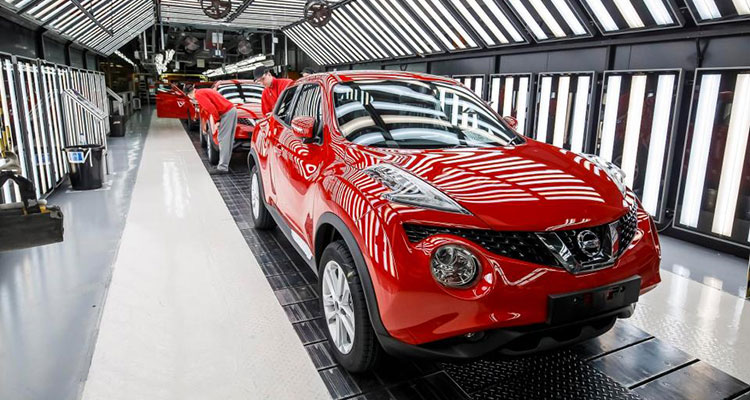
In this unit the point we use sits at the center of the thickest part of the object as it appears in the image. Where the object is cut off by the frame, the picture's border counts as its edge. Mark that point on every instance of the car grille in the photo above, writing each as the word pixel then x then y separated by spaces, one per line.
pixel 524 246
pixel 527 246
pixel 246 121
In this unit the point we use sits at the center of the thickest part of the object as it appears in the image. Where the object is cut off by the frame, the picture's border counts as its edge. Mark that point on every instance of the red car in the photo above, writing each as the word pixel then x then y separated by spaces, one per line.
pixel 246 95
pixel 172 102
pixel 436 230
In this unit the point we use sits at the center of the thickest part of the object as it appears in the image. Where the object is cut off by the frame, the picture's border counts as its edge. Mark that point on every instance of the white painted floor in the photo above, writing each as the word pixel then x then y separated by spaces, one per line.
pixel 699 319
pixel 189 314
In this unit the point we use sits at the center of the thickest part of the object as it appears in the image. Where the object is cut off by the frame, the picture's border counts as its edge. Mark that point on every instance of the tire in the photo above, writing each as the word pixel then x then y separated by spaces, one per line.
pixel 189 125
pixel 202 134
pixel 213 152
pixel 363 352
pixel 262 219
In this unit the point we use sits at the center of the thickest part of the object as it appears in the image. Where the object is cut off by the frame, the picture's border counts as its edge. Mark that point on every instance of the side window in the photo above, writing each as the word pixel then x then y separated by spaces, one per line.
pixel 308 104
pixel 284 105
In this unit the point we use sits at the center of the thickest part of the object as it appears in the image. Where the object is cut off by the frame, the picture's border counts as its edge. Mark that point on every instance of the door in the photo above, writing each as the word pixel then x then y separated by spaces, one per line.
pixel 298 164
pixel 171 102
pixel 268 142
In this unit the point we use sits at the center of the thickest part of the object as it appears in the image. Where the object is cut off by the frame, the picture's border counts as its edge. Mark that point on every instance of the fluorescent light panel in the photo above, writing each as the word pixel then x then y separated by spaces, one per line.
pixel 711 11
pixel 558 18
pixel 571 97
pixel 734 158
pixel 705 114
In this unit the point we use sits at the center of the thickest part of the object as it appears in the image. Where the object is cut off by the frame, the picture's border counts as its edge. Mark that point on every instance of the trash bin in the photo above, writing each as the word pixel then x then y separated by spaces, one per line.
pixel 85 166
pixel 116 125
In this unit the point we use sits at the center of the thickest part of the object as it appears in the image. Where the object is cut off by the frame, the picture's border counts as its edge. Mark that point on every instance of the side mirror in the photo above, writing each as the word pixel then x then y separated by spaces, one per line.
pixel 511 121
pixel 303 128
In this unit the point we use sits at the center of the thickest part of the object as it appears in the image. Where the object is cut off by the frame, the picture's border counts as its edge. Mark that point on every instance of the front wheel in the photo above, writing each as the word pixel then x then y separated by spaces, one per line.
pixel 342 299
pixel 213 151
pixel 258 212
pixel 202 134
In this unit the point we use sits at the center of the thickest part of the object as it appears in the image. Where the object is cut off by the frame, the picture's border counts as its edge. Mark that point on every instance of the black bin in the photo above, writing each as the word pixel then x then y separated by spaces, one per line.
pixel 116 125
pixel 85 166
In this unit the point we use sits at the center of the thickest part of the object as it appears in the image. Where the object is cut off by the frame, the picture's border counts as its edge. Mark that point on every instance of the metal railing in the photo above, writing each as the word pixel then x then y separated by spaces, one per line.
pixel 37 123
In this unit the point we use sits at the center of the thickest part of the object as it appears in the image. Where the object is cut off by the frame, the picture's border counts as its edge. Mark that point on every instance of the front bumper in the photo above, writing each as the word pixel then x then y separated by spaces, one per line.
pixel 522 340
pixel 511 296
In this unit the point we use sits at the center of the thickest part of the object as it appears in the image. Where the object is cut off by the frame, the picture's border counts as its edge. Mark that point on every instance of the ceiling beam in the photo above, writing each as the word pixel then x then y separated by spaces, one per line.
pixel 91 17
pixel 245 4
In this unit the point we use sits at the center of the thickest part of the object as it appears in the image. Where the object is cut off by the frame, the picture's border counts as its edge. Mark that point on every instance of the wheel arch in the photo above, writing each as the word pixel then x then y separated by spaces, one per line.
pixel 330 227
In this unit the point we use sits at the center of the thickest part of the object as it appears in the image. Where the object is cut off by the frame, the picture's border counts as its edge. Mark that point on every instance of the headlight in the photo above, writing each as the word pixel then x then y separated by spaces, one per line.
pixel 454 266
pixel 614 172
pixel 408 189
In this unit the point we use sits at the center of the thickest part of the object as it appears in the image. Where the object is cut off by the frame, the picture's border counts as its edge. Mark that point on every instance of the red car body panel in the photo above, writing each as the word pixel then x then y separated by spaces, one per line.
pixel 304 182
pixel 171 102
pixel 247 112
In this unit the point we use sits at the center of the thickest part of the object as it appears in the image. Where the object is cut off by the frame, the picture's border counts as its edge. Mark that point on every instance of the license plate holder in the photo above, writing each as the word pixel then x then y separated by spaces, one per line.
pixel 569 307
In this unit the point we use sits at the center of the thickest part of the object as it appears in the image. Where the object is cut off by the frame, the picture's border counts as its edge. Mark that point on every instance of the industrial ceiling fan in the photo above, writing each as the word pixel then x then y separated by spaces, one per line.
pixel 216 9
pixel 317 13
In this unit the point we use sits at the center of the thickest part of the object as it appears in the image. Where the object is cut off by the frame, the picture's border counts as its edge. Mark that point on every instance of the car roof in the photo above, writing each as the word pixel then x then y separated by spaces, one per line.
pixel 237 82
pixel 365 75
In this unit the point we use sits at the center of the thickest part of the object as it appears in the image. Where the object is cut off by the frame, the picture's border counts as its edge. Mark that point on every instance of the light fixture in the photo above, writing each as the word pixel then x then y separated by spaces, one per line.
pixel 716 156
pixel 564 100
pixel 509 95
pixel 625 16
pixel 735 157
pixel 475 83
pixel 705 113
pixel 715 11
pixel 550 20
pixel 636 123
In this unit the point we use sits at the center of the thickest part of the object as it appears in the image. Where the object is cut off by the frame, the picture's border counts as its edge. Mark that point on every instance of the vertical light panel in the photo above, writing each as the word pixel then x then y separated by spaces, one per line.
pixel 658 146
pixel 578 128
pixel 705 115
pixel 509 96
pixel 561 111
pixel 563 108
pixel 474 82
pixel 714 198
pixel 636 123
pixel 633 126
pixel 734 158
pixel 542 114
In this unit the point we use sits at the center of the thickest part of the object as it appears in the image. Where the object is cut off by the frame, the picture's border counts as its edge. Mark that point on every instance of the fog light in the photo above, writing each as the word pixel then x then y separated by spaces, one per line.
pixel 454 266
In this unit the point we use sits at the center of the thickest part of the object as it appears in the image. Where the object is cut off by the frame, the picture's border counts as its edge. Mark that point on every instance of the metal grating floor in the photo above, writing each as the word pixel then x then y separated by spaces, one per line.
pixel 625 363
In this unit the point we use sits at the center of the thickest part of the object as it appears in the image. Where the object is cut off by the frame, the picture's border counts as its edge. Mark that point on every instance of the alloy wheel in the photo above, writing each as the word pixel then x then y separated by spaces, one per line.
pixel 337 307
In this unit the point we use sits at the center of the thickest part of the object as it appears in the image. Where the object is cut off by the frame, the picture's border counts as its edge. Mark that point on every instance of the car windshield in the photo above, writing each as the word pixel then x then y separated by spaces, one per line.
pixel 417 114
pixel 241 93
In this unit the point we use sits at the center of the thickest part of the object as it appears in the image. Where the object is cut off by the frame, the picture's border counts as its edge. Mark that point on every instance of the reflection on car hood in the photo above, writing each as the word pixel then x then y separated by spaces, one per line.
pixel 533 187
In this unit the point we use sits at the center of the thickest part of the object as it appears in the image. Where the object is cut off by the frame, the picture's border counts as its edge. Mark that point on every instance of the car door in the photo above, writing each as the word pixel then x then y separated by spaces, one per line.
pixel 299 164
pixel 171 102
pixel 268 142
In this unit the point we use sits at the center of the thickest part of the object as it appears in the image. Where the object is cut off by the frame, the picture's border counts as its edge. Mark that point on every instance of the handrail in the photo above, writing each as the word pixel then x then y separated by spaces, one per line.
pixel 77 98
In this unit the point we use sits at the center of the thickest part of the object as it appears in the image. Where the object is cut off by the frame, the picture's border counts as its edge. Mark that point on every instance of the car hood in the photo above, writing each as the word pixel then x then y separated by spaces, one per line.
pixel 534 186
pixel 250 110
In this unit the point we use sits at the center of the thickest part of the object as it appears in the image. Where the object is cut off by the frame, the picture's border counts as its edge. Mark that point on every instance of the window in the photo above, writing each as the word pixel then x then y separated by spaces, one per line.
pixel 241 93
pixel 308 102
pixel 417 114
pixel 284 105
